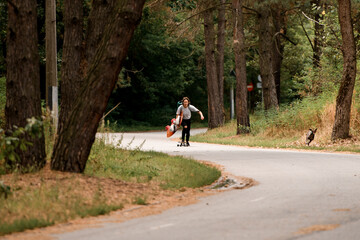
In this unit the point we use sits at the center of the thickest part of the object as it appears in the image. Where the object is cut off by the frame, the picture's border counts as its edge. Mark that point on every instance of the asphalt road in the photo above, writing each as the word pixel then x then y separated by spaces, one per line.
pixel 296 190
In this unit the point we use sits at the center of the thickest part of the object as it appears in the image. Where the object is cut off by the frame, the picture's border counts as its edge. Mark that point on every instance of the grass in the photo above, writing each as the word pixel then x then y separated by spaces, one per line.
pixel 138 166
pixel 40 204
pixel 113 178
pixel 23 224
pixel 287 128
pixel 140 201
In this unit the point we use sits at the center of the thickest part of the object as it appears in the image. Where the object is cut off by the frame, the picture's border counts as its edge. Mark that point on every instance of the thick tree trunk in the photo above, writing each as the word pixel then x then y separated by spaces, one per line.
pixel 242 114
pixel 279 21
pixel 98 19
pixel 265 50
pixel 23 79
pixel 215 113
pixel 71 77
pixel 343 101
pixel 220 46
pixel 73 145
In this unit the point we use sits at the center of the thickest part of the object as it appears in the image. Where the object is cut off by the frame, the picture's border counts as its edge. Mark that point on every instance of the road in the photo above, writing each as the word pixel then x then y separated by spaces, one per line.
pixel 306 191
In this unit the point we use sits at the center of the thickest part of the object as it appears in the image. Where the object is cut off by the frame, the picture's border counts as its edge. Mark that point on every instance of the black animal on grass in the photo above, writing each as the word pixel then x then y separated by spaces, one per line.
pixel 310 136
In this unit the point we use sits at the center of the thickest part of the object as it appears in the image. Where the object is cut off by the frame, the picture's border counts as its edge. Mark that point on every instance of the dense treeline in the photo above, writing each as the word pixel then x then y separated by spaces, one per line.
pixel 287 50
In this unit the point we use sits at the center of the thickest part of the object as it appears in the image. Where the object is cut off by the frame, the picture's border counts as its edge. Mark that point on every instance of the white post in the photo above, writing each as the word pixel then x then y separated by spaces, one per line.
pixel 232 102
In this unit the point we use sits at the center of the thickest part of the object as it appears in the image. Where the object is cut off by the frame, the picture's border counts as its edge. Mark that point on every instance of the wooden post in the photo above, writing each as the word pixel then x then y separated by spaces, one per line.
pixel 51 60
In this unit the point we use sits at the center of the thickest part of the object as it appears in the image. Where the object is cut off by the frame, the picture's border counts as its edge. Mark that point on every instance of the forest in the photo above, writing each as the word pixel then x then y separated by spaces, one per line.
pixel 233 59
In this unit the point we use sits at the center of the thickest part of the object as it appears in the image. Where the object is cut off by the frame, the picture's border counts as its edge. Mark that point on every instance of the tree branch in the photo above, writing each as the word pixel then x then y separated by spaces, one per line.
pixel 331 29
pixel 250 9
pixel 196 14
pixel 307 36
pixel 312 19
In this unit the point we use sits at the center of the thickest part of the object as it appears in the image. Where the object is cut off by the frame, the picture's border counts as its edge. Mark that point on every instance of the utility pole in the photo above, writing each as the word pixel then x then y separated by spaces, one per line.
pixel 51 60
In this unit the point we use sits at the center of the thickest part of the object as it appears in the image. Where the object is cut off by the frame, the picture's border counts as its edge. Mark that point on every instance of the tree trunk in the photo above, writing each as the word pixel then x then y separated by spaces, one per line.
pixel 265 51
pixel 279 21
pixel 98 19
pixel 71 77
pixel 220 54
pixel 73 145
pixel 215 116
pixel 343 101
pixel 242 114
pixel 319 34
pixel 23 79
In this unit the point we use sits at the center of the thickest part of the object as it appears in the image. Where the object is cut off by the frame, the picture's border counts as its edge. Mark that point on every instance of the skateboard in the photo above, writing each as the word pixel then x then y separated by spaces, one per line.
pixel 181 144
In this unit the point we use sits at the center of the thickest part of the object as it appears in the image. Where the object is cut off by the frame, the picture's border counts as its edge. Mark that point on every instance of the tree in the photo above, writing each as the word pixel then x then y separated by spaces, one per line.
pixel 242 115
pixel 279 31
pixel 72 146
pixel 266 58
pixel 220 47
pixel 215 112
pixel 343 101
pixel 23 80
pixel 71 71
pixel 318 32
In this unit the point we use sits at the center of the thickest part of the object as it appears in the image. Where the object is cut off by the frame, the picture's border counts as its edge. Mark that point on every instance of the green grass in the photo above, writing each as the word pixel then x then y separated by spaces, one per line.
pixel 140 201
pixel 40 204
pixel 138 166
pixel 23 224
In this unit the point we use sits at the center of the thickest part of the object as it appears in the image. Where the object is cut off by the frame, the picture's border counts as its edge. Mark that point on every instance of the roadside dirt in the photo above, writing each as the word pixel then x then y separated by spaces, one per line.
pixel 115 191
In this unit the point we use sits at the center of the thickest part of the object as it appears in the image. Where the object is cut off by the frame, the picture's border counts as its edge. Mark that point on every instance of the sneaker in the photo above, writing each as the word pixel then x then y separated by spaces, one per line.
pixel 182 144
pixel 187 144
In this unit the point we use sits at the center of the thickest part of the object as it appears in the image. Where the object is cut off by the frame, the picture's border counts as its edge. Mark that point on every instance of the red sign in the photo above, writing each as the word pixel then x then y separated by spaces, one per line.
pixel 250 87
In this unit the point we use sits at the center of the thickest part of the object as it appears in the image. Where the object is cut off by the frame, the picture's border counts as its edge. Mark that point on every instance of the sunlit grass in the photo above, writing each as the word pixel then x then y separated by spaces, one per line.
pixel 138 166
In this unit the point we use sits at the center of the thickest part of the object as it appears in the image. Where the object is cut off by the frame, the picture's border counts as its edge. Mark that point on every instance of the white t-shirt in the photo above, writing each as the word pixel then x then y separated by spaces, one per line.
pixel 186 111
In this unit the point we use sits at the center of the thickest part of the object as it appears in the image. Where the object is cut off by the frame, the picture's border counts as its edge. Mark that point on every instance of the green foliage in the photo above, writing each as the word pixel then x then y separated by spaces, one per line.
pixel 178 5
pixel 5 190
pixel 158 72
pixel 14 140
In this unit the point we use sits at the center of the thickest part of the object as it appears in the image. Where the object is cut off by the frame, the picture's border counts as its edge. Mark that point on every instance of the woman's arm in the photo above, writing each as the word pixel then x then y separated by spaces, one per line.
pixel 201 115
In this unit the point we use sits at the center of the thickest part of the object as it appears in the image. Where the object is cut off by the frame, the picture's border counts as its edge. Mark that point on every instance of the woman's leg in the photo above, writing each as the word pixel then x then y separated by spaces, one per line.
pixel 183 133
pixel 188 132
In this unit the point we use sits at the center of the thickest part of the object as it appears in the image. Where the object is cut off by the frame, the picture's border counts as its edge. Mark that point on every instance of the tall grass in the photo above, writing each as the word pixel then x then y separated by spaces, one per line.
pixel 287 127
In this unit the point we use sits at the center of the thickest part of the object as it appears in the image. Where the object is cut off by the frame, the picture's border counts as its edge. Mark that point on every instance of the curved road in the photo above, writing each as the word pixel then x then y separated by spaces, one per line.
pixel 297 190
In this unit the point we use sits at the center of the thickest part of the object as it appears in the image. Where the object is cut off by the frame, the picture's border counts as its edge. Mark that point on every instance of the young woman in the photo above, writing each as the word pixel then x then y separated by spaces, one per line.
pixel 186 109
